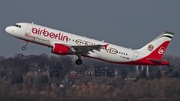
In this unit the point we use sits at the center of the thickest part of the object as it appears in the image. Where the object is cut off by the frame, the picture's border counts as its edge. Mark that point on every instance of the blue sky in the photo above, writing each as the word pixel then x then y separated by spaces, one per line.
pixel 122 22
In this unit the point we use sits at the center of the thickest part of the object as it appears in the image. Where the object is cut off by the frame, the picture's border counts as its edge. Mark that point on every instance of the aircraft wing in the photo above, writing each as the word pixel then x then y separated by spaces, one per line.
pixel 86 48
pixel 82 49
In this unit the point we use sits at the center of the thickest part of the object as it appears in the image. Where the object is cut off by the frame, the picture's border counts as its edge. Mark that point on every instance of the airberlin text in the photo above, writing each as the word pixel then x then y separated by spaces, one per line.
pixel 46 33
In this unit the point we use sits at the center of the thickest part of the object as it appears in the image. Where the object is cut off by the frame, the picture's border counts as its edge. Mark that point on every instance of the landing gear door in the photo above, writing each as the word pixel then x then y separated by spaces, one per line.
pixel 135 56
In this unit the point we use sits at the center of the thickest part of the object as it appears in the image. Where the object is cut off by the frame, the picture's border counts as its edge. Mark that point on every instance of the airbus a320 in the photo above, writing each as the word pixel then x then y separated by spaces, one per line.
pixel 64 43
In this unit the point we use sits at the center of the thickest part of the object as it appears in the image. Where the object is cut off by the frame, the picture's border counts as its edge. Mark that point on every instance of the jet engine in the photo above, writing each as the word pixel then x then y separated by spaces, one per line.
pixel 61 49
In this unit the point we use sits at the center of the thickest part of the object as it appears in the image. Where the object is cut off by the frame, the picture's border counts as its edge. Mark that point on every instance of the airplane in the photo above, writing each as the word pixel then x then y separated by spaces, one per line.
pixel 64 43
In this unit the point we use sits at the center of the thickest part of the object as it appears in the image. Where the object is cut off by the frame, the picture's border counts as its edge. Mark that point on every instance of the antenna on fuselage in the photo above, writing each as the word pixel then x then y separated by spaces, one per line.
pixel 32 22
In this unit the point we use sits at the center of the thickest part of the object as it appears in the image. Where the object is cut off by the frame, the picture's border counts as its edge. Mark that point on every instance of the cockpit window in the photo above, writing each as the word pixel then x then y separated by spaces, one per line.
pixel 19 26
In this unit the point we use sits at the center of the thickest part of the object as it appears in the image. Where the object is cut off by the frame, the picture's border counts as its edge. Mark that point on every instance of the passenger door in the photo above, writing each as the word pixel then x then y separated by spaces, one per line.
pixel 29 36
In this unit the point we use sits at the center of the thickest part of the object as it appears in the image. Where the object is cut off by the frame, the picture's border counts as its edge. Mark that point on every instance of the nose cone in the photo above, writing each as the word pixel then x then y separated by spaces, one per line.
pixel 8 29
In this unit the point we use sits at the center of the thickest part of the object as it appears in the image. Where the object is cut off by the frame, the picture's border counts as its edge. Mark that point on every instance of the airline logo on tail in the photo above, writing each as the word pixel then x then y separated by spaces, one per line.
pixel 161 50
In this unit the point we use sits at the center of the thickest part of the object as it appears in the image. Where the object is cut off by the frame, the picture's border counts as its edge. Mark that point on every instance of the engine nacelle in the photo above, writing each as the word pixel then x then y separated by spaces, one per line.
pixel 61 49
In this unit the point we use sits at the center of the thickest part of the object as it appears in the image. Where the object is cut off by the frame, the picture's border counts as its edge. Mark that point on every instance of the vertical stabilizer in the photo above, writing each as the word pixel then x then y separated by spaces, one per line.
pixel 156 48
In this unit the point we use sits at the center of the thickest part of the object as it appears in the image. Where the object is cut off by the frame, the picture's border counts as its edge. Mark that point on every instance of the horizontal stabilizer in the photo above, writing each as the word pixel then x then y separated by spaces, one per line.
pixel 157 60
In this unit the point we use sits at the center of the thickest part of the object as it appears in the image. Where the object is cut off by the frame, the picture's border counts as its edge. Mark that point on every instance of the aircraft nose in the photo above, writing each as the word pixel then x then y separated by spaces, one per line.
pixel 8 29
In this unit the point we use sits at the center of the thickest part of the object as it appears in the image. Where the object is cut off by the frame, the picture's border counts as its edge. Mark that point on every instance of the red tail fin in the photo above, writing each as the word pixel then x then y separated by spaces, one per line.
pixel 159 51
pixel 156 48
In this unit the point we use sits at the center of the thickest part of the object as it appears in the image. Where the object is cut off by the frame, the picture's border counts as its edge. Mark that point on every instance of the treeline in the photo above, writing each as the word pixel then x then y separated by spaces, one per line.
pixel 39 78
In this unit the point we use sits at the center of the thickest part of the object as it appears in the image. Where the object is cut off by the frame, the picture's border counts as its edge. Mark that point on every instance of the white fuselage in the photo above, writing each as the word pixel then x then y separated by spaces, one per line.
pixel 111 53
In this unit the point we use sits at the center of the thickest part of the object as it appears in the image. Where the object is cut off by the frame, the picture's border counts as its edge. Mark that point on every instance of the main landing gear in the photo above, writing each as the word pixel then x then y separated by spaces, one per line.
pixel 79 61
pixel 24 47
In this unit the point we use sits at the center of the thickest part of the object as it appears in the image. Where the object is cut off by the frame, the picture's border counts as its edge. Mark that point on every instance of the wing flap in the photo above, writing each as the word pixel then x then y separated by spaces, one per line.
pixel 87 48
